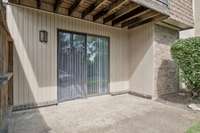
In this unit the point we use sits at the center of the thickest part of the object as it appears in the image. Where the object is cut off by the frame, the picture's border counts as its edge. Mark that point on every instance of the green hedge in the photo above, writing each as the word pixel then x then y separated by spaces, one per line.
pixel 194 129
pixel 186 53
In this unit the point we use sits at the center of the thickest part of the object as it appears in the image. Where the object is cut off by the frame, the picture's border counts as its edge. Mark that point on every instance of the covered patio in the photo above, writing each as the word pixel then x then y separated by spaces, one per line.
pixel 126 14
pixel 126 29
pixel 105 114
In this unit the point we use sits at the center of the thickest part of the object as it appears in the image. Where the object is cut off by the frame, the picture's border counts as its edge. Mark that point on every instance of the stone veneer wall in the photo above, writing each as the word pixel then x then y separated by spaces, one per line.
pixel 165 72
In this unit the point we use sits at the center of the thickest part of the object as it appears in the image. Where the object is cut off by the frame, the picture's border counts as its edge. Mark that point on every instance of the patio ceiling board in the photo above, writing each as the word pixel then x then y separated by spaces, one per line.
pixel 74 6
pixel 143 16
pixel 57 4
pixel 123 7
pixel 83 5
pixel 90 8
pixel 101 7
pixel 128 14
pixel 116 13
pixel 115 4
pixel 149 20
pixel 68 3
pixel 38 4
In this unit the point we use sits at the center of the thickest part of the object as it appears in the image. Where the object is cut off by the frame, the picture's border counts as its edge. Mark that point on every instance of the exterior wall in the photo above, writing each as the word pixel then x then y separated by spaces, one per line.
pixel 187 33
pixel 197 17
pixel 165 71
pixel 181 11
pixel 4 69
pixel 3 88
pixel 141 59
pixel 196 30
pixel 35 64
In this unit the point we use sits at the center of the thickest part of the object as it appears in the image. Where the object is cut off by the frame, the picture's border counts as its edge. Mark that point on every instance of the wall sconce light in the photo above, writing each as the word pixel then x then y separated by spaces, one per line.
pixel 43 35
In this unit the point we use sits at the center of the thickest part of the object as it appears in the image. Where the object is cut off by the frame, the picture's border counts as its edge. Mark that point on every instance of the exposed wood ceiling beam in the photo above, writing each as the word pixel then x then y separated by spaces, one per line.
pixel 100 14
pixel 113 14
pixel 109 18
pixel 57 4
pixel 144 16
pixel 128 15
pixel 152 19
pixel 113 5
pixel 91 8
pixel 172 25
pixel 74 6
pixel 38 4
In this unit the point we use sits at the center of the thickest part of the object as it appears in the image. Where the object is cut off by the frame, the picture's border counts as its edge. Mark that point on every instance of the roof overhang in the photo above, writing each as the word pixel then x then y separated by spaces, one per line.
pixel 126 14
pixel 174 24
pixel 161 6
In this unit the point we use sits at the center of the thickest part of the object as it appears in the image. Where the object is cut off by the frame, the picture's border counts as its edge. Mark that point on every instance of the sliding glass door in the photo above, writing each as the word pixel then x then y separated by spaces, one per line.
pixel 97 65
pixel 82 65
pixel 72 65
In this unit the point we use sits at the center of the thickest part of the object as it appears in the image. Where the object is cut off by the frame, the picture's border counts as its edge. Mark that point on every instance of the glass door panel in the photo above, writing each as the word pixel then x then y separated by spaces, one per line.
pixel 97 65
pixel 83 65
pixel 71 66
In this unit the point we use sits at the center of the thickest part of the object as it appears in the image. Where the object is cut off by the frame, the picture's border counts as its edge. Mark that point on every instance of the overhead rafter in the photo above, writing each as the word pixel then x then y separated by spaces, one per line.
pixel 152 19
pixel 113 5
pixel 57 4
pixel 100 14
pixel 38 4
pixel 129 14
pixel 91 8
pixel 113 14
pixel 145 15
pixel 109 18
pixel 172 25
pixel 74 6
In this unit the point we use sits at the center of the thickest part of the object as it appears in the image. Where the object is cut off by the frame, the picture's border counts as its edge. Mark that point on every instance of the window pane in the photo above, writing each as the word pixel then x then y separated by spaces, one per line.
pixel 97 65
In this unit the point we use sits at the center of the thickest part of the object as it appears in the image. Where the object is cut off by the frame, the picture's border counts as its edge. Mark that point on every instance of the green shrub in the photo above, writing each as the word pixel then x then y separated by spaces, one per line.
pixel 194 129
pixel 186 53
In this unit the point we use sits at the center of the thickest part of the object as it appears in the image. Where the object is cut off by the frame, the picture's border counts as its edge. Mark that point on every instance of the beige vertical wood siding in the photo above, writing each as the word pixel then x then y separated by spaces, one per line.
pixel 35 64
pixel 141 59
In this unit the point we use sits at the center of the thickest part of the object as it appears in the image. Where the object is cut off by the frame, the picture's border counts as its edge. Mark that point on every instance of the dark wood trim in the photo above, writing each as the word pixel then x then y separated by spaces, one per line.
pixel 91 8
pixel 113 5
pixel 38 4
pixel 57 4
pixel 113 15
pixel 81 33
pixel 129 14
pixel 10 69
pixel 152 19
pixel 73 7
pixel 109 18
pixel 172 25
pixel 100 14
pixel 147 14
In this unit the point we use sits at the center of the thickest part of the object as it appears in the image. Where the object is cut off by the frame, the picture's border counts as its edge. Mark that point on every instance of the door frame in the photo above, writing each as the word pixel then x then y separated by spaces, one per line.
pixel 85 34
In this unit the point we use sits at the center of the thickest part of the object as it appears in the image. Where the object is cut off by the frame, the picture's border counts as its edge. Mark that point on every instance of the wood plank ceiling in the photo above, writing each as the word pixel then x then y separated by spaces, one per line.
pixel 118 13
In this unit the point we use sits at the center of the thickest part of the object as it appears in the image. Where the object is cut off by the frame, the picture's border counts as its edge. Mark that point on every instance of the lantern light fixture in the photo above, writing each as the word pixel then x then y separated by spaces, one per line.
pixel 43 35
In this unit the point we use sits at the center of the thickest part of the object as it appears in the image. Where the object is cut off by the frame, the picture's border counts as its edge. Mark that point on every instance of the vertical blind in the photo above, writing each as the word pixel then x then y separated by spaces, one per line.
pixel 97 65
pixel 82 65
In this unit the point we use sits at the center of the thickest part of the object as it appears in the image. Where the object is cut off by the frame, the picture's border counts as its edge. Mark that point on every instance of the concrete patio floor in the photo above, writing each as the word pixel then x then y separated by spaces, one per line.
pixel 105 114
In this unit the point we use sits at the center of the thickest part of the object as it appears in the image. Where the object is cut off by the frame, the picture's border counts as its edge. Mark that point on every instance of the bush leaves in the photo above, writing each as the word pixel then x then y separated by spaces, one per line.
pixel 186 53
